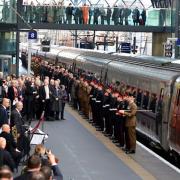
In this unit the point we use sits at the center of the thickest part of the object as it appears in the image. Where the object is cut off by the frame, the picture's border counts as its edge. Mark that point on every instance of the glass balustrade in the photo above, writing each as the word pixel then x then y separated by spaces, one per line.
pixel 7 42
pixel 8 11
pixel 97 15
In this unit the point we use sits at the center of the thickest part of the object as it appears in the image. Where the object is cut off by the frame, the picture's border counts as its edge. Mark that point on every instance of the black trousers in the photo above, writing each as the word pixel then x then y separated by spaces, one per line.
pixel 47 108
pixel 62 111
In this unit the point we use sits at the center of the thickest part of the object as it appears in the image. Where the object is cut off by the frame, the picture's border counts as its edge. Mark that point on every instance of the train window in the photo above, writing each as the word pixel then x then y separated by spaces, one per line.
pixel 178 98
pixel 161 93
pixel 134 91
pixel 153 103
pixel 139 97
pixel 145 99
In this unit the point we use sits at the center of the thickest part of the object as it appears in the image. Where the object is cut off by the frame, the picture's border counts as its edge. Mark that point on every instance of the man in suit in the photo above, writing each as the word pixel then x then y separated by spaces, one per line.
pixel 13 92
pixel 33 165
pixel 45 95
pixel 3 112
pixel 5 156
pixel 130 125
pixel 11 145
pixel 18 123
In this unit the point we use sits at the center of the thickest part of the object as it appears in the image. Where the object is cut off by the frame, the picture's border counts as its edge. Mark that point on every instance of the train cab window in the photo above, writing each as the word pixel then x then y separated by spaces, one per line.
pixel 139 97
pixel 153 103
pixel 145 100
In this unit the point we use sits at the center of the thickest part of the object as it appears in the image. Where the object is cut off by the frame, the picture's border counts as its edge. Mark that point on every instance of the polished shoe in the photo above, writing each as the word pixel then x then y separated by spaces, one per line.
pixel 108 135
pixel 112 138
pixel 115 141
pixel 98 129
pixel 131 152
pixel 120 146
pixel 124 149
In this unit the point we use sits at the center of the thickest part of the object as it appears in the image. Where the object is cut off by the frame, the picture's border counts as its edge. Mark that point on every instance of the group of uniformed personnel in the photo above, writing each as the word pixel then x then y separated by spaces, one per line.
pixel 110 109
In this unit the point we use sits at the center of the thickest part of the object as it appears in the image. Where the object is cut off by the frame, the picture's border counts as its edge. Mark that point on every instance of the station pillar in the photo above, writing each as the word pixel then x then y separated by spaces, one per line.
pixel 158 39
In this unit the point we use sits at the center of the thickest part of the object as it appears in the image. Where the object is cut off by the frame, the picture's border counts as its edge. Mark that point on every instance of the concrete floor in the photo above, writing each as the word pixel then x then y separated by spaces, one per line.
pixel 82 156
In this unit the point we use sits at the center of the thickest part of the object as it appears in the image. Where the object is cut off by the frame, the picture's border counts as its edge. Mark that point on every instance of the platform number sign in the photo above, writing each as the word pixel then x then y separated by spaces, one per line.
pixel 168 48
pixel 32 35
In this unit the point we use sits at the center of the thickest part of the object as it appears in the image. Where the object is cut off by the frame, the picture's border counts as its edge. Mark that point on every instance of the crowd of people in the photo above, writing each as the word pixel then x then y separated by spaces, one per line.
pixel 85 14
pixel 23 100
pixel 110 108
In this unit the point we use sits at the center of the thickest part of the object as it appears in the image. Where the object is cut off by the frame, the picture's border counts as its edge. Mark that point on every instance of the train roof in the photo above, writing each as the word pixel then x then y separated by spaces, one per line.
pixel 144 71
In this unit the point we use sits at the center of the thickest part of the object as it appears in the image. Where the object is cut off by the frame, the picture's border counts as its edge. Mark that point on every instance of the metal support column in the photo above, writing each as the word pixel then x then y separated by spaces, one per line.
pixel 19 9
pixel 117 44
pixel 94 36
pixel 75 42
pixel 177 26
pixel 105 42
pixel 17 53
pixel 134 45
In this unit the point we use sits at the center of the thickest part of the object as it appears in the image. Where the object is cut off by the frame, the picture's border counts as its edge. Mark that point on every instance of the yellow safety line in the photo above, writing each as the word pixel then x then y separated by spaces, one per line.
pixel 126 159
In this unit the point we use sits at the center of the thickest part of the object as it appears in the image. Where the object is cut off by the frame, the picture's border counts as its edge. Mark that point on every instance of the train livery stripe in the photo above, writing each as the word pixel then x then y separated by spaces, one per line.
pixel 126 159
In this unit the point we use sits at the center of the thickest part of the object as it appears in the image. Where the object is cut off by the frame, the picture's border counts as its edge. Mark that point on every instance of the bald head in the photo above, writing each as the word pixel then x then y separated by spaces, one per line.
pixel 2 143
pixel 19 106
pixel 5 102
pixel 6 128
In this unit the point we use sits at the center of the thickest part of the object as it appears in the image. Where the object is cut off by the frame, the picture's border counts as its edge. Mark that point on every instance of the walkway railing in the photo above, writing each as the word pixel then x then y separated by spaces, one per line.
pixel 89 15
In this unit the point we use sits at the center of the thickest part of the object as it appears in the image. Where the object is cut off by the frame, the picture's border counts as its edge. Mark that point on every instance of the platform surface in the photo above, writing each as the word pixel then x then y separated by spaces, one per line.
pixel 86 154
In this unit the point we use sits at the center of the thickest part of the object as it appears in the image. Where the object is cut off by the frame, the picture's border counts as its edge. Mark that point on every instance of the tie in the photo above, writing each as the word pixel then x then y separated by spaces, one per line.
pixel 56 92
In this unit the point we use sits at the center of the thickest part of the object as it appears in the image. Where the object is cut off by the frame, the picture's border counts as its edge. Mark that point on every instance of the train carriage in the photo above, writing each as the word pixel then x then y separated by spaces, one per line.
pixel 156 84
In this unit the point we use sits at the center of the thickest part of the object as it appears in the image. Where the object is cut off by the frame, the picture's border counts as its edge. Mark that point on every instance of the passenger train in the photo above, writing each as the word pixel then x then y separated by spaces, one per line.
pixel 155 81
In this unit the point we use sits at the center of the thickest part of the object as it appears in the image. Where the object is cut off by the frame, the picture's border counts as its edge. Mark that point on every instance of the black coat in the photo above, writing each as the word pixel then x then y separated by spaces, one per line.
pixel 16 120
pixel 10 142
pixel 11 94
pixel 3 116
pixel 25 176
pixel 6 159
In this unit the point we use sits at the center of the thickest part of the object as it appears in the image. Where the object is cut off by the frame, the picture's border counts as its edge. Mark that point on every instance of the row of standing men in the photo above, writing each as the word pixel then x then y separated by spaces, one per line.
pixel 82 15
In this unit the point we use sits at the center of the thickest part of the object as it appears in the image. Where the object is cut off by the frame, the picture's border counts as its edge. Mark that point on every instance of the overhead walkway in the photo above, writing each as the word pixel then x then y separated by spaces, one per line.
pixel 48 17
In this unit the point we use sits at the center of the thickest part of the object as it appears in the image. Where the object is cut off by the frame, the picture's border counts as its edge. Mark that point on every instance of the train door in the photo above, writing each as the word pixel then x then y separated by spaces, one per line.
pixel 159 113
pixel 5 64
pixel 175 119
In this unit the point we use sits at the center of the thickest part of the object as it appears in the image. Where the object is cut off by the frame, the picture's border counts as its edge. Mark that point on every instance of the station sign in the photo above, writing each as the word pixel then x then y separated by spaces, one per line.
pixel 125 47
pixel 178 42
pixel 168 48
pixel 32 35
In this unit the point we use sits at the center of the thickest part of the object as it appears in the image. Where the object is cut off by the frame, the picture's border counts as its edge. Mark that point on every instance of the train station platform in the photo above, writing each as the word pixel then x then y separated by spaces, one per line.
pixel 86 154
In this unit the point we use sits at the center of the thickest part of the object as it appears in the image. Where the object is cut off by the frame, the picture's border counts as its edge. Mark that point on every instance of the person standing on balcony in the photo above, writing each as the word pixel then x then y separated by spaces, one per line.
pixel 135 16
pixel 115 15
pixel 69 12
pixel 143 16
pixel 85 12
pixel 60 13
pixel 109 12
pixel 127 13
pixel 102 14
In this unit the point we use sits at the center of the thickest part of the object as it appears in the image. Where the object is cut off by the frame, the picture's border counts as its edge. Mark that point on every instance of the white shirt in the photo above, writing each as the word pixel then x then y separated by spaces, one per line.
pixel 47 91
